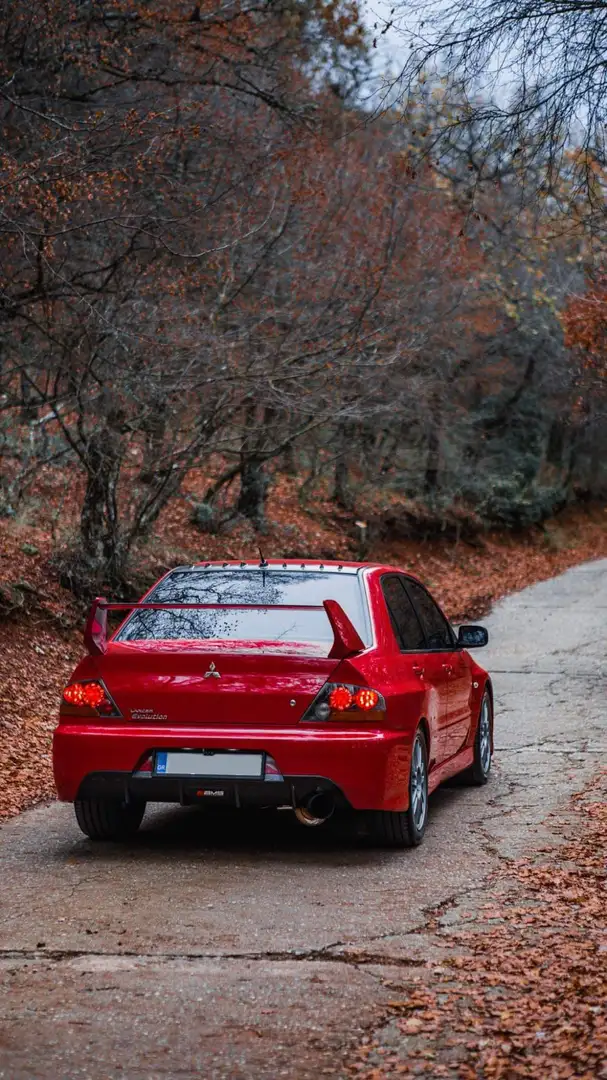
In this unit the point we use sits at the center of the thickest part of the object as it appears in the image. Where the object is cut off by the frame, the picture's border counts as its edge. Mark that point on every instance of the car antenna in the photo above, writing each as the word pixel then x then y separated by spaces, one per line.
pixel 263 565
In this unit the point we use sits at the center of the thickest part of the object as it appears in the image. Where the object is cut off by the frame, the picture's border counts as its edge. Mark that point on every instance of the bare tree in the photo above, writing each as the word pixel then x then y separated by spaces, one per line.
pixel 530 77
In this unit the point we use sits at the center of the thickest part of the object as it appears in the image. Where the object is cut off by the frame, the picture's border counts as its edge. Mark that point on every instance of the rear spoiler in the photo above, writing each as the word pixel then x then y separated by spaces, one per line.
pixel 346 639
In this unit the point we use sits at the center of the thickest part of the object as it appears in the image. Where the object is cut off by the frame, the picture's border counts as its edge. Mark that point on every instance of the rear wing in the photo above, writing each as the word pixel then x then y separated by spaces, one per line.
pixel 346 639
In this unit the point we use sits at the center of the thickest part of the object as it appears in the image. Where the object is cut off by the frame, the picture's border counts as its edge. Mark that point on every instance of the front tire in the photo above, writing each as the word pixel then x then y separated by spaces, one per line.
pixel 406 828
pixel 108 819
pixel 478 773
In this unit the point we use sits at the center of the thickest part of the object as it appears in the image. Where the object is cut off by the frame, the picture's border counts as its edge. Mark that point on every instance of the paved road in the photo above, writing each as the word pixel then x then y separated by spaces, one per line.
pixel 254 949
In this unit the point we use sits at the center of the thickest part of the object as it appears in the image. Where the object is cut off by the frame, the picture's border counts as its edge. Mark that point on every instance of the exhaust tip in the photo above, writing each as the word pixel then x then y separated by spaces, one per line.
pixel 316 809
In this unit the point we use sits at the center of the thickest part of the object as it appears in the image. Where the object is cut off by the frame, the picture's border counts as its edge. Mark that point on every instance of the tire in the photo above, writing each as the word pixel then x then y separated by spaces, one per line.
pixel 108 819
pixel 478 773
pixel 406 828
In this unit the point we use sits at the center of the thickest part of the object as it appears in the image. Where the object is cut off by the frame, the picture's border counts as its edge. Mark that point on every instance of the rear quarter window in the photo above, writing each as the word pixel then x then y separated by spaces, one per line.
pixel 437 630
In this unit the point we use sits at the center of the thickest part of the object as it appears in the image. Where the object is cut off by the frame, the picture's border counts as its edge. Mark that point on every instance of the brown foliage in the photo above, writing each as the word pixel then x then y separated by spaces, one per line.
pixel 585 322
pixel 525 994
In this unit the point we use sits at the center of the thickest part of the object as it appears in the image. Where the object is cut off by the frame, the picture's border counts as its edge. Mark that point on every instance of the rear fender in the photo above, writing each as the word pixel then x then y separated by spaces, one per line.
pixel 87 668
pixel 408 699
pixel 481 681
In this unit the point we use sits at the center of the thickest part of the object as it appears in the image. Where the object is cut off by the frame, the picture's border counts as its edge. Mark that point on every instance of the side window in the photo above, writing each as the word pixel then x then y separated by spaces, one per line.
pixel 405 623
pixel 436 628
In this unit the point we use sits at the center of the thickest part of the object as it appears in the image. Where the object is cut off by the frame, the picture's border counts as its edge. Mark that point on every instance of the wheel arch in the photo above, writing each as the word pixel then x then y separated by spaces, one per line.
pixel 425 726
pixel 489 688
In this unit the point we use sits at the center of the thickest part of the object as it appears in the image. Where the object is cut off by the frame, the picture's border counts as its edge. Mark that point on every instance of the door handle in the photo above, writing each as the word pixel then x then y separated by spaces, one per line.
pixel 418 670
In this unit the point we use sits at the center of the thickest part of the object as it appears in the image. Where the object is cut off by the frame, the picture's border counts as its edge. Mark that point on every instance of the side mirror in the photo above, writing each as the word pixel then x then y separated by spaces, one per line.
pixel 95 631
pixel 472 637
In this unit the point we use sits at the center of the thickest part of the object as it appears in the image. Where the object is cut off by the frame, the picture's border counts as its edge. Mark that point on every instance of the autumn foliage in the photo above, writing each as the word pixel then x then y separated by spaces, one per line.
pixel 212 261
pixel 522 994
pixel 585 322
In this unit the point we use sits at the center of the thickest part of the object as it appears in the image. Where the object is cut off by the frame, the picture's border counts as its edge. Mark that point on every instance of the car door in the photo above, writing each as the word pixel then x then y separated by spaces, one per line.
pixel 442 644
pixel 419 663
pixel 460 696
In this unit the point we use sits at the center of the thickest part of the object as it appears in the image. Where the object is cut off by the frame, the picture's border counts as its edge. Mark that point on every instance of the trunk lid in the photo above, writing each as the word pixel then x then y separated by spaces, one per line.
pixel 208 683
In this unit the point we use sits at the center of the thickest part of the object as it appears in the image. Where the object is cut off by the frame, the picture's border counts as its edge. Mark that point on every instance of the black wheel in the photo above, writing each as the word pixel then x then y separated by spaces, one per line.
pixel 478 773
pixel 108 819
pixel 406 828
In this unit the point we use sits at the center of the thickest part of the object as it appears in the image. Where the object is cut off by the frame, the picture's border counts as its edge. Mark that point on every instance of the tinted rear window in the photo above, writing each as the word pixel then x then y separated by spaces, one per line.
pixel 251 586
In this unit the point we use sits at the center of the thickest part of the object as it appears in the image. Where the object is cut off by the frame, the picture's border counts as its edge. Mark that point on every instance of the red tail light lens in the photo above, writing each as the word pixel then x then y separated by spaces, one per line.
pixel 340 698
pixel 94 694
pixel 366 699
pixel 74 694
pixel 89 697
pixel 344 700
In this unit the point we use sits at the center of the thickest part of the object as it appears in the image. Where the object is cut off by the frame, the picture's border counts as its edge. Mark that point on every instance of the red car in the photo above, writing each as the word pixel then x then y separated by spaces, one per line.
pixel 314 686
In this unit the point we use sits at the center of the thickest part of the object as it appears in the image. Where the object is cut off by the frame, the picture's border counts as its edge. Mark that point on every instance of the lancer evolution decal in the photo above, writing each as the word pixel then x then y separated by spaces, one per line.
pixel 147 714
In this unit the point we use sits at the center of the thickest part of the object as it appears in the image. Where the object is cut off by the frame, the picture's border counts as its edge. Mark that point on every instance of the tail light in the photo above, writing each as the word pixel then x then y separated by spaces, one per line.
pixel 89 697
pixel 272 772
pixel 145 767
pixel 340 698
pixel 337 701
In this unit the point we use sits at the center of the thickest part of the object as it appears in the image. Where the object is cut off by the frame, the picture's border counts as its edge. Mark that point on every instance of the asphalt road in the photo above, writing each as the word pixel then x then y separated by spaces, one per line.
pixel 251 948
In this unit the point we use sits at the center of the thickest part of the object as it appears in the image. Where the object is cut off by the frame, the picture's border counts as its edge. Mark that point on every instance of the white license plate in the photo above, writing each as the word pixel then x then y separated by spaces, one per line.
pixel 209 763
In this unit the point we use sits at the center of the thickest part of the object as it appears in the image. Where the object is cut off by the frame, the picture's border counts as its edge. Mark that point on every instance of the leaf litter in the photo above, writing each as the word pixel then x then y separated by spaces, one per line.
pixel 527 996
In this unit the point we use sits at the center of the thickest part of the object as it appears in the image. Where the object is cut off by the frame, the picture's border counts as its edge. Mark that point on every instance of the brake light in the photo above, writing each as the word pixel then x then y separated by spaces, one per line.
pixel 84 694
pixel 340 698
pixel 344 701
pixel 366 699
pixel 74 694
pixel 89 696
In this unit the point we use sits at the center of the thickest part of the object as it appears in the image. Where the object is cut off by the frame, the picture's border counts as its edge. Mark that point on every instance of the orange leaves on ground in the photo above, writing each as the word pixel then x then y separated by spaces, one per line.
pixel 526 999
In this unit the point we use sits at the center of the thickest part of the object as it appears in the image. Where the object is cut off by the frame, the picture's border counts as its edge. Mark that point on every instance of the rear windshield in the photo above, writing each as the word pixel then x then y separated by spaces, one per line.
pixel 251 586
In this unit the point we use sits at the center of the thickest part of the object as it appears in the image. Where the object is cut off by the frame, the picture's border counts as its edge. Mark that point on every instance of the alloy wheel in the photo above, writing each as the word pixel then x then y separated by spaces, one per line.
pixel 484 739
pixel 419 786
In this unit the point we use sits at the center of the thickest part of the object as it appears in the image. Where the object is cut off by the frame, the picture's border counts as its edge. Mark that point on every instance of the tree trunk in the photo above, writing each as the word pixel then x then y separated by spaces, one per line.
pixel 254 483
pixel 254 480
pixel 430 484
pixel 29 408
pixel 342 491
pixel 99 529
pixel 154 429
pixel 289 460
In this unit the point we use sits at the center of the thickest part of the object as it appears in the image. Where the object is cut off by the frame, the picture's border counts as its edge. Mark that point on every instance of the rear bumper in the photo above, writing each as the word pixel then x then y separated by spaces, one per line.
pixel 290 791
pixel 367 769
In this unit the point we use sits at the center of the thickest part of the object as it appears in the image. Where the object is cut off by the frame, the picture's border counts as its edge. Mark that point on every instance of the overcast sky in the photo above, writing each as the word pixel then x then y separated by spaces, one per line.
pixel 393 46
pixel 390 46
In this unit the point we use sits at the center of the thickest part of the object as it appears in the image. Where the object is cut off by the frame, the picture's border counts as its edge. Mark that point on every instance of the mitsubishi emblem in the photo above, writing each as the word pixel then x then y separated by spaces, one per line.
pixel 212 673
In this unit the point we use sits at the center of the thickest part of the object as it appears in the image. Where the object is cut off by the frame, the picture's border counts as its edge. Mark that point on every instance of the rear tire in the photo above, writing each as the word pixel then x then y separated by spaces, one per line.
pixel 406 828
pixel 108 819
pixel 478 773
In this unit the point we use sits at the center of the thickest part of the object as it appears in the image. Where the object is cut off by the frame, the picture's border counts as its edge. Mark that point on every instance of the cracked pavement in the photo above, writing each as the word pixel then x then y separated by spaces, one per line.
pixel 248 947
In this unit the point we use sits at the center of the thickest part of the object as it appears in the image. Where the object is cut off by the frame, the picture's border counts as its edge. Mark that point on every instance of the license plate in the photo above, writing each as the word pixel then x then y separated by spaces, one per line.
pixel 228 766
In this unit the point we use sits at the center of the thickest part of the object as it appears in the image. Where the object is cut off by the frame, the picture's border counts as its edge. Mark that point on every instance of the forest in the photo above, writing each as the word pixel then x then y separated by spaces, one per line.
pixel 223 256
pixel 265 293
